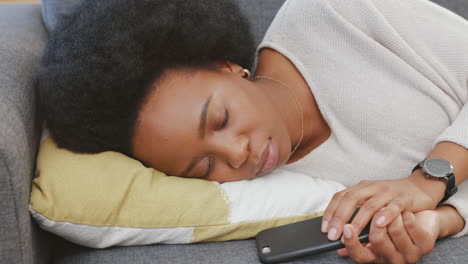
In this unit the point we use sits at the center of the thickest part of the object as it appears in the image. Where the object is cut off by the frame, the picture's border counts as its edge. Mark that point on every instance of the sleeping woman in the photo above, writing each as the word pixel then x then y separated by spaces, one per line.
pixel 371 93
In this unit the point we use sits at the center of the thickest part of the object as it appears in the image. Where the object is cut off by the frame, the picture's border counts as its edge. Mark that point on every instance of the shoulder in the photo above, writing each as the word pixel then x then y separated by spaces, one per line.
pixel 320 16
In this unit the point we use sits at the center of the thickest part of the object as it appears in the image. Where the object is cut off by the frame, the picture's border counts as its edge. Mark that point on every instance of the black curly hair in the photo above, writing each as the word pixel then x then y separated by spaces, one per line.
pixel 101 61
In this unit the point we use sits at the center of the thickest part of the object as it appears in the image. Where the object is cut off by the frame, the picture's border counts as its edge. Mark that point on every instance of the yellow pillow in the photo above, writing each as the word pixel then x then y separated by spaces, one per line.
pixel 108 199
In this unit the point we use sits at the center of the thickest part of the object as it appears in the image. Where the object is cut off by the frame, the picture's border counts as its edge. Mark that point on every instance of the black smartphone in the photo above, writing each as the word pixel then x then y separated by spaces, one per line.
pixel 300 239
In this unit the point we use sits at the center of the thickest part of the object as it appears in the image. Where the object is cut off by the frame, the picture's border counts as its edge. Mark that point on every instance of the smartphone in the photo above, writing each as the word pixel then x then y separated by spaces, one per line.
pixel 300 239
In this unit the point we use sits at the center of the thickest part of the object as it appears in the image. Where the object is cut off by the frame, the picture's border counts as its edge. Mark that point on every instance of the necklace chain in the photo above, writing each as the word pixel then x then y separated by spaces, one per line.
pixel 297 104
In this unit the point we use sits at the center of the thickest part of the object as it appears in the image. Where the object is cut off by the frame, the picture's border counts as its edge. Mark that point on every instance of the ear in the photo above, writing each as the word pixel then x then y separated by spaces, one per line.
pixel 230 67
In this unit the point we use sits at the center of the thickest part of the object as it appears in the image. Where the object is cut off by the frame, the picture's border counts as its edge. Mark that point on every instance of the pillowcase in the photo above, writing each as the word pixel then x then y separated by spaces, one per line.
pixel 108 199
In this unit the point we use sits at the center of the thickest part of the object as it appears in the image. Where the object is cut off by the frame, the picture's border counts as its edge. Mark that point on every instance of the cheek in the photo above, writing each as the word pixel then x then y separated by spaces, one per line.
pixel 256 114
pixel 266 119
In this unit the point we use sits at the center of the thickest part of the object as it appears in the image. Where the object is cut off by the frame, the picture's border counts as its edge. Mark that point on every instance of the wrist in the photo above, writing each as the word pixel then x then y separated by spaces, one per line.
pixel 435 189
pixel 450 221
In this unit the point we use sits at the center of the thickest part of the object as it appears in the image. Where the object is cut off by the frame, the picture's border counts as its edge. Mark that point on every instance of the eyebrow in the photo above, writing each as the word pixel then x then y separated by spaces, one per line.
pixel 201 134
pixel 201 127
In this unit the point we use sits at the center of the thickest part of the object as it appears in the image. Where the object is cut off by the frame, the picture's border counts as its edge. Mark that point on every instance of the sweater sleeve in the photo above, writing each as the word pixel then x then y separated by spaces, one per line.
pixel 440 38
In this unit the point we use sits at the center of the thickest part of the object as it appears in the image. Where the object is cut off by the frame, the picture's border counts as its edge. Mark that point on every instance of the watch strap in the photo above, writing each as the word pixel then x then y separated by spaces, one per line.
pixel 418 166
pixel 451 188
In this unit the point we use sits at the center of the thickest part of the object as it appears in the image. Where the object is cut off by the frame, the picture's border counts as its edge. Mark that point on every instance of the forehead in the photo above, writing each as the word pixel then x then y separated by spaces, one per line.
pixel 167 127
pixel 175 99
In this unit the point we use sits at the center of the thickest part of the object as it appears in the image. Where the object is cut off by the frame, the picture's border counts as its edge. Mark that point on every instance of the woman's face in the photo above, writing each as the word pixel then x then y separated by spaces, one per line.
pixel 213 125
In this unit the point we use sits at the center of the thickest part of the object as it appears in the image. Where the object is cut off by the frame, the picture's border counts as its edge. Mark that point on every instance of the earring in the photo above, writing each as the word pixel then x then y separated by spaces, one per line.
pixel 246 74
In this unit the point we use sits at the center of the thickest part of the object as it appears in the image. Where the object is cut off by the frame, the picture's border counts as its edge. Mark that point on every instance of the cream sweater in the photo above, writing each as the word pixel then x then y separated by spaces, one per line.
pixel 390 78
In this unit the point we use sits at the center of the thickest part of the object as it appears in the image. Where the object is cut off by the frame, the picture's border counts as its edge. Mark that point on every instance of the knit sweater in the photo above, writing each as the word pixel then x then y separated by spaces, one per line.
pixel 390 78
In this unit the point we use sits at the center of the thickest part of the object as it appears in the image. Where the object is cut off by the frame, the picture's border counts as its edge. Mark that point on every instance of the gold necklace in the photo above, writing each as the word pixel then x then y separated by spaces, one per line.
pixel 297 104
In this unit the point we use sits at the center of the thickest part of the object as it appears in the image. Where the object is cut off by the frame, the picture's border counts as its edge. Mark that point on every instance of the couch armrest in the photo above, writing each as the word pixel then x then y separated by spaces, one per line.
pixel 22 40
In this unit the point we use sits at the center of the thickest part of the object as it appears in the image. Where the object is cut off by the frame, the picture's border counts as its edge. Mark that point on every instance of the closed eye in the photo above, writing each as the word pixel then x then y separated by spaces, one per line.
pixel 210 167
pixel 225 121
pixel 211 159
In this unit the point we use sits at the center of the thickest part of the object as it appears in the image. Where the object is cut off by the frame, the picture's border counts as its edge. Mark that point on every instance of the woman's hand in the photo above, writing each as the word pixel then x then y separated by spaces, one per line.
pixel 413 194
pixel 395 196
pixel 405 240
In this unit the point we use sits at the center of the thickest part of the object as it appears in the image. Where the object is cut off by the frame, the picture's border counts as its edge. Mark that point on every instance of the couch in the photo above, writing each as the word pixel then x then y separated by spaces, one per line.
pixel 22 39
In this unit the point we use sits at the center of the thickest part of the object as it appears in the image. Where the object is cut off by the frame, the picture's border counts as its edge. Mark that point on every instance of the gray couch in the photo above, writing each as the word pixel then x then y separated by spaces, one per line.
pixel 23 35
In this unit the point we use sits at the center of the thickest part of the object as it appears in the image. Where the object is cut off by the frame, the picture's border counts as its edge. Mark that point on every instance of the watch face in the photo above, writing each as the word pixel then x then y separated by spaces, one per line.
pixel 437 167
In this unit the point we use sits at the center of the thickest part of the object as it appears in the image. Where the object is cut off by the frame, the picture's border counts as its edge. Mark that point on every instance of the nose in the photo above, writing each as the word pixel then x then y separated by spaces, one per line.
pixel 234 151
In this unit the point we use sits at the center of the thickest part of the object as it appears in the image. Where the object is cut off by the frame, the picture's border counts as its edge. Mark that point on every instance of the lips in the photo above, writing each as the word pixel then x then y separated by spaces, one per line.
pixel 269 157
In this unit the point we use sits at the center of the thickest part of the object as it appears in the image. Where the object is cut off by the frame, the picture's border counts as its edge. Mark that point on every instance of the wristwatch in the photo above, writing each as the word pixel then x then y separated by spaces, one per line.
pixel 440 169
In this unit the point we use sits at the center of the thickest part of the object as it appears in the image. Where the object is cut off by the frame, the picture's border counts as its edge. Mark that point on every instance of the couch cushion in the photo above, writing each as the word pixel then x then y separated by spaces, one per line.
pixel 450 250
pixel 260 13
pixel 22 40
pixel 458 6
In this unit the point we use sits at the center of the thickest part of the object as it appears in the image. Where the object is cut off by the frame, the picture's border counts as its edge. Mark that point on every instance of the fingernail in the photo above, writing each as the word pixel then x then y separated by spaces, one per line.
pixel 382 208
pixel 380 220
pixel 347 231
pixel 332 234
pixel 342 239
pixel 324 226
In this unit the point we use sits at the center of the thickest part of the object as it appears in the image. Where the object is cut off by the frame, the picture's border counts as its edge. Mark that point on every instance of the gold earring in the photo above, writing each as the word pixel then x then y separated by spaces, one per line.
pixel 246 74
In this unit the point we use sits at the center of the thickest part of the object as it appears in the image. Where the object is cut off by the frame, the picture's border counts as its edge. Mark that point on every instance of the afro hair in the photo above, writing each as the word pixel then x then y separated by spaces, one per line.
pixel 101 61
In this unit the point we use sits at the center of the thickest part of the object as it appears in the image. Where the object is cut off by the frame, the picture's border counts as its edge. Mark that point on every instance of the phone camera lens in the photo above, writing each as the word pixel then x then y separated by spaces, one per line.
pixel 266 250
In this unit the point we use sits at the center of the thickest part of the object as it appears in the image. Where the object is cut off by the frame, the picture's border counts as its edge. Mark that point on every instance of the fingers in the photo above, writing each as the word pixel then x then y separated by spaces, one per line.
pixel 342 252
pixel 341 217
pixel 330 211
pixel 409 220
pixel 392 210
pixel 367 211
pixel 402 241
pixel 335 202
pixel 422 240
pixel 372 196
pixel 383 245
pixel 354 249
pixel 342 207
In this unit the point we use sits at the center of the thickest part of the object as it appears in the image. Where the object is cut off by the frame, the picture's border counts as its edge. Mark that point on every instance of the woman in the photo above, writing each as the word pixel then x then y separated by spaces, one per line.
pixel 354 91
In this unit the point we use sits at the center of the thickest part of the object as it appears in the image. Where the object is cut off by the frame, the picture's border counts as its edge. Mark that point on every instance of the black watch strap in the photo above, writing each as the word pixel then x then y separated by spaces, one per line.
pixel 451 188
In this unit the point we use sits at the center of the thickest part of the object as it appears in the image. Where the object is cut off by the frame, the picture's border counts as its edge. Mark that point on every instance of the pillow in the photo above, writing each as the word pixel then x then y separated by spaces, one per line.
pixel 107 199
